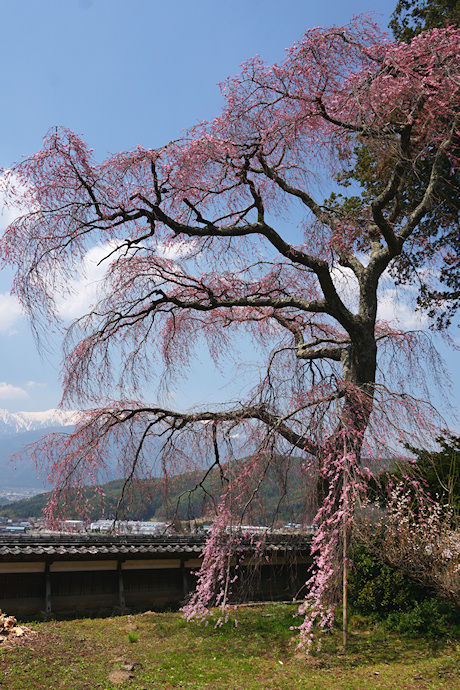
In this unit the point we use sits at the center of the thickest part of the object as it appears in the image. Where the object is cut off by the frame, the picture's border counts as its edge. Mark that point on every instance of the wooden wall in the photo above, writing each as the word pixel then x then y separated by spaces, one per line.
pixel 102 587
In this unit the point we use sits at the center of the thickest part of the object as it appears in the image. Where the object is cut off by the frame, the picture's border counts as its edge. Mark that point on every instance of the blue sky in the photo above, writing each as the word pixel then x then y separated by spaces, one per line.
pixel 122 73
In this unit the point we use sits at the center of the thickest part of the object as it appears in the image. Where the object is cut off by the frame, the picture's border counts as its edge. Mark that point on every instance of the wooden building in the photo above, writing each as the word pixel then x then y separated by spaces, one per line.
pixel 73 574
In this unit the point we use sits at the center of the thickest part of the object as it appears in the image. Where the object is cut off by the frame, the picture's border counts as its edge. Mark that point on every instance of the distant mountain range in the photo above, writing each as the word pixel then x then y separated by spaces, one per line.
pixel 18 430
pixel 18 422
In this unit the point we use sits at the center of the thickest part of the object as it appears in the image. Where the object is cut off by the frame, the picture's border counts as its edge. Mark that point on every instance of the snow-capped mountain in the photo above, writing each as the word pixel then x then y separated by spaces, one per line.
pixel 18 422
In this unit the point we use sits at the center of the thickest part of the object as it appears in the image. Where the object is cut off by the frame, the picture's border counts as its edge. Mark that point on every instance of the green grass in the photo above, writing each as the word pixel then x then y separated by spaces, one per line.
pixel 261 653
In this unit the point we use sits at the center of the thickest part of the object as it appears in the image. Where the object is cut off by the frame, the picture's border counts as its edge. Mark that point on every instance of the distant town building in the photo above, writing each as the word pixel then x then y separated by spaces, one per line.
pixel 128 527
pixel 73 525
pixel 15 528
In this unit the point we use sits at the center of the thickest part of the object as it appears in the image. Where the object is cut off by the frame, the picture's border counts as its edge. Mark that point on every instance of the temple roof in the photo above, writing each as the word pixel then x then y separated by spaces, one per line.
pixel 78 546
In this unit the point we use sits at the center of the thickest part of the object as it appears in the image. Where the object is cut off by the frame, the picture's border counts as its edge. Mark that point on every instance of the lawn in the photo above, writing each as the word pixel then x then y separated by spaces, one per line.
pixel 161 650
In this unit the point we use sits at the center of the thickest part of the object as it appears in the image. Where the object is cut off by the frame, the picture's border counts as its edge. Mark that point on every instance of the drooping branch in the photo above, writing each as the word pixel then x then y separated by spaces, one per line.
pixel 176 420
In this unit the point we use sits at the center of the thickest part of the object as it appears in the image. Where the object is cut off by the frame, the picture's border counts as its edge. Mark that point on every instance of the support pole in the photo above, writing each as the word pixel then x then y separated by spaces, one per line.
pixel 345 552
pixel 121 589
pixel 345 583
pixel 47 590
pixel 185 587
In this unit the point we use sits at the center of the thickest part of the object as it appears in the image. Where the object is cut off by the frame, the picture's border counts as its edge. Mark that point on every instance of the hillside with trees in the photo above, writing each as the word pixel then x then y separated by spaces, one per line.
pixel 183 497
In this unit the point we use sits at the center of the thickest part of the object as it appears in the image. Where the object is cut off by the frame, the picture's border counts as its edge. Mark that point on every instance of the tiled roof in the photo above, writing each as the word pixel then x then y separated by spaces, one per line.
pixel 69 547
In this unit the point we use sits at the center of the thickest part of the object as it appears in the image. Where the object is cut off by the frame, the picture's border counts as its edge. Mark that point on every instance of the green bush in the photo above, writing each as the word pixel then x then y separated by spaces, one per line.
pixel 376 588
pixel 430 618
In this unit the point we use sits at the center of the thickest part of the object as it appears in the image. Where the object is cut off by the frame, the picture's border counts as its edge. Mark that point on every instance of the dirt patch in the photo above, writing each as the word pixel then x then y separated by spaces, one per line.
pixel 119 677
pixel 36 641
pixel 13 635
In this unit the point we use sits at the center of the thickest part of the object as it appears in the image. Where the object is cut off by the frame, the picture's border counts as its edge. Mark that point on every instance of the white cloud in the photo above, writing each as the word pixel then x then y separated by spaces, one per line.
pixel 85 289
pixel 10 309
pixel 346 285
pixel 398 305
pixel 34 384
pixel 7 215
pixel 10 313
pixel 9 392
pixel 176 250
pixel 395 304
pixel 10 212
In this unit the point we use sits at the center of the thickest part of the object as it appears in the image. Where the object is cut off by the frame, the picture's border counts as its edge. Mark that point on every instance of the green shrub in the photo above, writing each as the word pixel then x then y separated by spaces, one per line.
pixel 376 588
pixel 430 618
